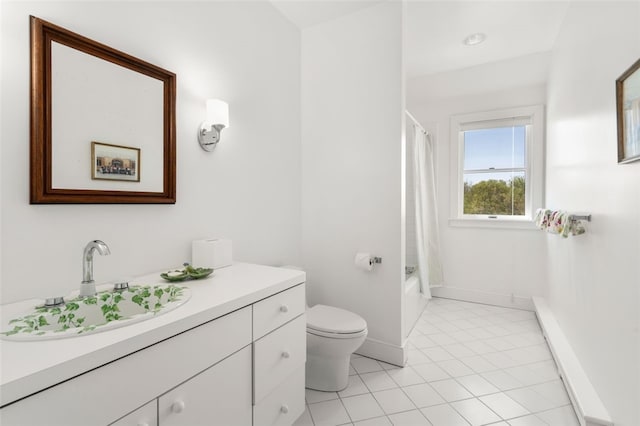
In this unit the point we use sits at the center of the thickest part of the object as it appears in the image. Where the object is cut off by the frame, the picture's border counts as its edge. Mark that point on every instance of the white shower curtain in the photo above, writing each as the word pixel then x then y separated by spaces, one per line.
pixel 427 241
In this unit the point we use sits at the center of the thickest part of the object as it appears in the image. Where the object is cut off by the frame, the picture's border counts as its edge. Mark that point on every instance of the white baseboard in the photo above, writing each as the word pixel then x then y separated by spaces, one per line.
pixel 504 300
pixel 585 400
pixel 383 351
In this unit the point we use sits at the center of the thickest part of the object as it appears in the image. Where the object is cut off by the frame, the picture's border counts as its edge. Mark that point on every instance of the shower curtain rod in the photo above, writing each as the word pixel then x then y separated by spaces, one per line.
pixel 415 122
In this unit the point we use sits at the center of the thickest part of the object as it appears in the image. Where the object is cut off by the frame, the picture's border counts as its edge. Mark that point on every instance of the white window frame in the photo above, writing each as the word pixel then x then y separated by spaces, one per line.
pixel 534 165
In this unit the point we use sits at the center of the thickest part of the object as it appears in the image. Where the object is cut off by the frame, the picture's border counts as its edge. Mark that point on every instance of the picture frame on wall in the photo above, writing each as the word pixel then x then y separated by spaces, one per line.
pixel 628 114
pixel 115 162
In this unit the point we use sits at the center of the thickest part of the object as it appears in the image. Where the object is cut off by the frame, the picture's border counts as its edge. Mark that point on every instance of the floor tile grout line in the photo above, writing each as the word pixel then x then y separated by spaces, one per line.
pixel 482 340
pixel 475 327
pixel 475 373
pixel 445 402
pixel 481 355
pixel 370 393
pixel 403 392
pixel 481 402
pixel 499 391
pixel 508 390
pixel 310 414
pixel 469 342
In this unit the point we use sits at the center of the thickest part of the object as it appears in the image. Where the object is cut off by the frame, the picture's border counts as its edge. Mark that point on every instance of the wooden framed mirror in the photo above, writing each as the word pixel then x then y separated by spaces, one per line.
pixel 628 114
pixel 103 123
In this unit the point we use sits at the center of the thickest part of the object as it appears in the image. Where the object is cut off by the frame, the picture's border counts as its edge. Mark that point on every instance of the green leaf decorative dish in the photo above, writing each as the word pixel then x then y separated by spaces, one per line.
pixel 188 273
pixel 174 276
pixel 200 273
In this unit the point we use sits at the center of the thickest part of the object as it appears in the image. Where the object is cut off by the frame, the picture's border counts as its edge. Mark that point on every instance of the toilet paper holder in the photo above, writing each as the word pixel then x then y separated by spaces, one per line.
pixel 366 261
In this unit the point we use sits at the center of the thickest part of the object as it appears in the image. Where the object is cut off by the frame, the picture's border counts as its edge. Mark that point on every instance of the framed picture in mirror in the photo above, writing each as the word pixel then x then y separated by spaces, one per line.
pixel 115 162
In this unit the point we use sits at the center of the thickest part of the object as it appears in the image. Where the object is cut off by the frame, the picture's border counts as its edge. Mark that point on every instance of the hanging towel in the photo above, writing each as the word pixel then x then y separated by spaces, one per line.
pixel 577 227
pixel 542 218
pixel 558 222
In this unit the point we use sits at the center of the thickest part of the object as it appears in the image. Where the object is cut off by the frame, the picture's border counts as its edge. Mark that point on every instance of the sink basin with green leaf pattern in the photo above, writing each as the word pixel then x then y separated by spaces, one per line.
pixel 105 311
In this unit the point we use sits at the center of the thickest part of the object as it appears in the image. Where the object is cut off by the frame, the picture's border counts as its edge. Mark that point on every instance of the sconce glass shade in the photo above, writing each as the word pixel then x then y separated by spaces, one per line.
pixel 217 119
pixel 217 112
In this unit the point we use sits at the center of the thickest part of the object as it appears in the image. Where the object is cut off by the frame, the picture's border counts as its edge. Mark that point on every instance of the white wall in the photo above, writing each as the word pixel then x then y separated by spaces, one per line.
pixel 594 280
pixel 248 189
pixel 481 264
pixel 352 122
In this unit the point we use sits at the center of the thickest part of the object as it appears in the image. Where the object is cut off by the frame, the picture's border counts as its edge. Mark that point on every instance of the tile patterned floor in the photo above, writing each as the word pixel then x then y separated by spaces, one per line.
pixel 469 364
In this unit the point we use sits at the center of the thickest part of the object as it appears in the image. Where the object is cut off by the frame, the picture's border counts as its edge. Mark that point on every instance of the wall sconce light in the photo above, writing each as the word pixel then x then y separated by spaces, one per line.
pixel 217 119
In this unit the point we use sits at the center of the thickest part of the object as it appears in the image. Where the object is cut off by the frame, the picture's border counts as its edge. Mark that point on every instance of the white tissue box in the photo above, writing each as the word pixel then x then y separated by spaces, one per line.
pixel 211 253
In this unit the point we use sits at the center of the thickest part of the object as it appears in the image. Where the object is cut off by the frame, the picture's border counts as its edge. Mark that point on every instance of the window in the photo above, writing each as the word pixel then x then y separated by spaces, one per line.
pixel 497 166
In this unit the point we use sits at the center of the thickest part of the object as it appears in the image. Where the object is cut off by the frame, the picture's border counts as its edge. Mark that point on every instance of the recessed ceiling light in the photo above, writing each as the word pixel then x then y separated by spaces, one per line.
pixel 474 39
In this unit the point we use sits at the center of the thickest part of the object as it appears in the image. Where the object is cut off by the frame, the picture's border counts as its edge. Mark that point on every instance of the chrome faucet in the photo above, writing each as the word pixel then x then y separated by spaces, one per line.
pixel 88 285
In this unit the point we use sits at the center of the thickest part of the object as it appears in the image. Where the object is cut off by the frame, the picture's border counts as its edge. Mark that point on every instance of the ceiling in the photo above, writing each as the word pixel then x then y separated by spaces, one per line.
pixel 306 13
pixel 434 30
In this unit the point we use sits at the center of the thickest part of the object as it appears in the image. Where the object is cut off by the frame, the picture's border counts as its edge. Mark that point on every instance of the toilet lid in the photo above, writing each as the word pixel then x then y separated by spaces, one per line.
pixel 334 320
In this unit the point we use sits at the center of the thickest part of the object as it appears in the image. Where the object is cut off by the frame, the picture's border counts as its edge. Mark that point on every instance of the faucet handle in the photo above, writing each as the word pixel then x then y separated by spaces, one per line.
pixel 52 302
pixel 120 286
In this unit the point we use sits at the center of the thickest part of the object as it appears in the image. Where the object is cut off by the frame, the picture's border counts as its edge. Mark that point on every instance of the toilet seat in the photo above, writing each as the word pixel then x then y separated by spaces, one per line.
pixel 337 335
pixel 336 323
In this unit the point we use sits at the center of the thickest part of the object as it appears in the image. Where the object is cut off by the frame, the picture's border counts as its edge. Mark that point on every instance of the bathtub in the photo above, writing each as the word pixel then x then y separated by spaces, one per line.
pixel 414 302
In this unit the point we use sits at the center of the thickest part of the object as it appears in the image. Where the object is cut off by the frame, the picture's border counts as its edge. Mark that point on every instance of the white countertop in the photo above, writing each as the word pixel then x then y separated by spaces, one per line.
pixel 28 367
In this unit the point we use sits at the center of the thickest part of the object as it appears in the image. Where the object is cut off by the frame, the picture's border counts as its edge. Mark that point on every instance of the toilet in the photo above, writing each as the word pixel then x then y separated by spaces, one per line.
pixel 333 334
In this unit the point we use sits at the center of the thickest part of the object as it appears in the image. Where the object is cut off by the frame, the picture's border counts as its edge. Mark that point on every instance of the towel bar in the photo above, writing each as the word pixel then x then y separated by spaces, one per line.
pixel 586 217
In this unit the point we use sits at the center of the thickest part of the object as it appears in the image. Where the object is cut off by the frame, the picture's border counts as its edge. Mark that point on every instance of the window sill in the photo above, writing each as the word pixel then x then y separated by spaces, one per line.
pixel 523 224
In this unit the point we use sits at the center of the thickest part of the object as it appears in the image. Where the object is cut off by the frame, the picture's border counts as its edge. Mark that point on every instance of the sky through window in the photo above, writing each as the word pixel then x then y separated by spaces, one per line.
pixel 494 148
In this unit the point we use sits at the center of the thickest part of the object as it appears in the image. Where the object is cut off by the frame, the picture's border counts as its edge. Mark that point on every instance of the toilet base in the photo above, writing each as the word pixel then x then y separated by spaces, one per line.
pixel 329 374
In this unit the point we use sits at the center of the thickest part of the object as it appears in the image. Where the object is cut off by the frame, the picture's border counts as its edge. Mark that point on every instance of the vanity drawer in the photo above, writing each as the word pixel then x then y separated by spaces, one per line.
pixel 272 312
pixel 277 355
pixel 284 405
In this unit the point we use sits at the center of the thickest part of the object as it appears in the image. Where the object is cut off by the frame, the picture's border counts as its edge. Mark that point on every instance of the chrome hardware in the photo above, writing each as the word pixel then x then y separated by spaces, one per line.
pixel 52 302
pixel 121 286
pixel 88 285
pixel 586 217
pixel 209 136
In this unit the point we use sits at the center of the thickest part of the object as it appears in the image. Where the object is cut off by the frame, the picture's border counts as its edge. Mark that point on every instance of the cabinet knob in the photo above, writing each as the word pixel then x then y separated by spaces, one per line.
pixel 284 309
pixel 177 407
pixel 285 354
pixel 284 409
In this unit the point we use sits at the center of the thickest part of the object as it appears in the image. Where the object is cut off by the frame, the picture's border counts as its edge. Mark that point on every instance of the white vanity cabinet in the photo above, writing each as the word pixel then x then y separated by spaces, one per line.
pixel 243 368
pixel 279 352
